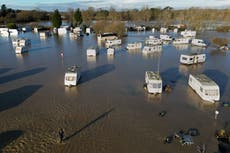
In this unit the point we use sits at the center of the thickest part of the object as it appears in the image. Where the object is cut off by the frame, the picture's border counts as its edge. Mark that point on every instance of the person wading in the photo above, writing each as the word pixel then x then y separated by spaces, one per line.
pixel 61 134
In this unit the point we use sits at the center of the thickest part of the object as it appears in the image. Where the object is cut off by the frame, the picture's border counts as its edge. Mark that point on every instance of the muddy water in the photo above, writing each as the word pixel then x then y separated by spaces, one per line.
pixel 108 112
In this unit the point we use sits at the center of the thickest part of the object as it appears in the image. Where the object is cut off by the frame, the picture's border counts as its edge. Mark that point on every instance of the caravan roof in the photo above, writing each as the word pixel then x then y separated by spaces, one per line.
pixel 204 80
pixel 153 76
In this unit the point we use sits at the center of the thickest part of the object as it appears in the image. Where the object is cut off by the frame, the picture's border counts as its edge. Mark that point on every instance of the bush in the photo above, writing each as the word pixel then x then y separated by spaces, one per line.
pixel 223 29
pixel 11 26
pixel 117 27
pixel 220 41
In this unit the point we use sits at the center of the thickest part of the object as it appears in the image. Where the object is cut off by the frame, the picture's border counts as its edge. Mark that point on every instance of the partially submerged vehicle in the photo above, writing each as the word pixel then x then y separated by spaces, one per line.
pixel 153 41
pixel 44 34
pixel 192 58
pixel 72 76
pixel 110 51
pixel 114 42
pixel 198 42
pixel 188 33
pixel 166 37
pixel 136 45
pixel 179 41
pixel 206 88
pixel 106 36
pixel 153 82
pixel 21 49
pixel 152 49
pixel 92 52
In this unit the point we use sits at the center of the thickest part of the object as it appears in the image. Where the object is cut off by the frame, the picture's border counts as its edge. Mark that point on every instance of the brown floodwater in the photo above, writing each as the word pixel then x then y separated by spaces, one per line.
pixel 109 111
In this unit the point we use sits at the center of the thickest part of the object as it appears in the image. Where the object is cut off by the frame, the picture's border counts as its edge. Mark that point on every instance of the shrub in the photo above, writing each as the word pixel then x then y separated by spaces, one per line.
pixel 220 41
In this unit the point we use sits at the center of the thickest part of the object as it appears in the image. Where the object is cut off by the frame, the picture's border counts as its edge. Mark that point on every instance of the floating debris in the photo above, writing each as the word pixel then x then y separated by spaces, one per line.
pixel 193 132
pixel 226 104
pixel 168 139
pixel 167 88
pixel 186 140
pixel 201 149
pixel 162 113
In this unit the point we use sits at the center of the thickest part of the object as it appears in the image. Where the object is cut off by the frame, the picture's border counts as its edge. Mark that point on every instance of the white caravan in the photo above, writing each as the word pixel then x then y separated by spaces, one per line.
pixel 114 42
pixel 163 30
pixel 198 42
pixel 62 31
pixel 152 49
pixel 72 76
pixel 206 88
pixel 21 49
pixel 192 59
pixel 135 45
pixel 44 34
pixel 179 41
pixel 110 51
pixel 92 52
pixel 154 82
pixel 153 41
pixel 165 37
pixel 13 32
pixel 106 36
pixel 188 33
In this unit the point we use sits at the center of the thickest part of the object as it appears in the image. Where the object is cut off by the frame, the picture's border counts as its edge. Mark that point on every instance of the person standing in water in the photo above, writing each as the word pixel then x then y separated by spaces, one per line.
pixel 61 134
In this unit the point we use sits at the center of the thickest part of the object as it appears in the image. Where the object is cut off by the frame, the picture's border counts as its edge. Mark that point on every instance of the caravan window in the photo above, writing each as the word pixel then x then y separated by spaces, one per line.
pixel 201 89
pixel 184 58
pixel 191 59
pixel 70 78
pixel 156 85
pixel 211 92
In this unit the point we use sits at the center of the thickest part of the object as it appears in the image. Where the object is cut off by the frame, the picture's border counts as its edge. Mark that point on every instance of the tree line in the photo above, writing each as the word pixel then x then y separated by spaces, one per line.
pixel 193 17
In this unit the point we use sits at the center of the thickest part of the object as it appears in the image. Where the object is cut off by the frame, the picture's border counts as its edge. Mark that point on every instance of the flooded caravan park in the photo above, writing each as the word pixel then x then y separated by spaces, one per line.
pixel 109 111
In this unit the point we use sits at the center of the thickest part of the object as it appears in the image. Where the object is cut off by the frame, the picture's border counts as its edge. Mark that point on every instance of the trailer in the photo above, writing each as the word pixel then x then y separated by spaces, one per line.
pixel 192 58
pixel 206 88
pixel 72 76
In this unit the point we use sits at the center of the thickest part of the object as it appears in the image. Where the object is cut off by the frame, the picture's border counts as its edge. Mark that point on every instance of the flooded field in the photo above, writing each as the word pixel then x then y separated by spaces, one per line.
pixel 109 111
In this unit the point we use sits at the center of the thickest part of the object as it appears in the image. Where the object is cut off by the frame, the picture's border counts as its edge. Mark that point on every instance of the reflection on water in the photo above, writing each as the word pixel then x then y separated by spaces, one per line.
pixel 198 103
pixel 181 46
pixel 195 49
pixel 151 55
pixel 53 105
pixel 91 59
pixel 134 51
pixel 194 69
pixel 153 98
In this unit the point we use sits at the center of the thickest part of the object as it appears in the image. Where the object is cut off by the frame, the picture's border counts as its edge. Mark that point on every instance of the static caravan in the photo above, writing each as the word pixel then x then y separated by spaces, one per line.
pixel 24 42
pixel 106 36
pixel 5 33
pixel 153 41
pixel 21 49
pixel 135 45
pixel 78 31
pixel 13 32
pixel 110 51
pixel 154 82
pixel 198 42
pixel 114 42
pixel 73 35
pixel 206 88
pixel 88 30
pixel 179 41
pixel 192 59
pixel 44 34
pixel 152 49
pixel 165 37
pixel 72 76
pixel 163 30
pixel 62 31
pixel 188 33
pixel 92 52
